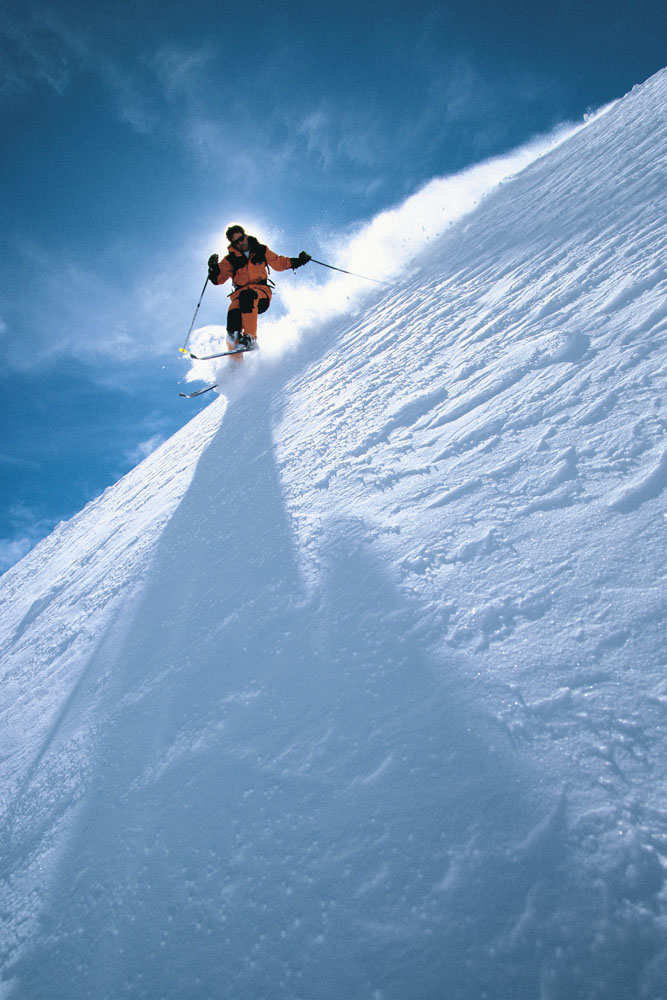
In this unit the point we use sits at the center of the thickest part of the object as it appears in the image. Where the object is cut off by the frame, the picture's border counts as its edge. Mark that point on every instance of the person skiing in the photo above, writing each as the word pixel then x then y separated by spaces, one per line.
pixel 247 263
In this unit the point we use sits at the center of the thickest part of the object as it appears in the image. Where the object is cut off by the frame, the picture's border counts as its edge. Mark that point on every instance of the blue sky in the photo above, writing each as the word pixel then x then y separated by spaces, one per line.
pixel 135 133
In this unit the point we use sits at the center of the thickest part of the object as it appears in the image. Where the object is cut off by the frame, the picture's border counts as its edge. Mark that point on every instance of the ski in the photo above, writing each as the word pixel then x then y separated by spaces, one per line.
pixel 199 392
pixel 223 354
pixel 209 357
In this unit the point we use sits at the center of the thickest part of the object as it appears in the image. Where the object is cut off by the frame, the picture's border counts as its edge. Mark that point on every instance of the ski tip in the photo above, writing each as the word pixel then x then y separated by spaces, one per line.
pixel 199 392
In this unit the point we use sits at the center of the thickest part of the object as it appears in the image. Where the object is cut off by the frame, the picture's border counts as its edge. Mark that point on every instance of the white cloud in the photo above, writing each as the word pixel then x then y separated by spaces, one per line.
pixel 31 55
pixel 43 47
pixel 316 128
pixel 13 549
pixel 22 463
pixel 28 529
pixel 179 70
pixel 144 449
pixel 351 136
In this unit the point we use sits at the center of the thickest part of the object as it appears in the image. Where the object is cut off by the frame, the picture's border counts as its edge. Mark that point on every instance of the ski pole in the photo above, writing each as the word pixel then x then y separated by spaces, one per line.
pixel 184 348
pixel 322 264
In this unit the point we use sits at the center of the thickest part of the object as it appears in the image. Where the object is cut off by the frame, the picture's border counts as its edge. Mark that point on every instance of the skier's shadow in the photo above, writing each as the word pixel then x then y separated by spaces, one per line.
pixel 285 778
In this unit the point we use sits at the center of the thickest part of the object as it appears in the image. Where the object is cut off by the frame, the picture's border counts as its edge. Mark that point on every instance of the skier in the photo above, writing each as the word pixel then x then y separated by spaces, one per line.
pixel 247 263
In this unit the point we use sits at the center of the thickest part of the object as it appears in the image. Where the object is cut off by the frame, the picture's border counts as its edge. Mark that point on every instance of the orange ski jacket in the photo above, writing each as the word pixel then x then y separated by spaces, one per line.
pixel 253 269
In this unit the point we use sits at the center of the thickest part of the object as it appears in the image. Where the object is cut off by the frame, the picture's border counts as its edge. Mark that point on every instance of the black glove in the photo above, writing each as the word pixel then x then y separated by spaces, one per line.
pixel 299 261
pixel 213 268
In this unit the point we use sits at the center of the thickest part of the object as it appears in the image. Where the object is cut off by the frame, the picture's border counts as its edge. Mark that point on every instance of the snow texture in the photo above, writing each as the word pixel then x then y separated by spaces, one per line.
pixel 355 688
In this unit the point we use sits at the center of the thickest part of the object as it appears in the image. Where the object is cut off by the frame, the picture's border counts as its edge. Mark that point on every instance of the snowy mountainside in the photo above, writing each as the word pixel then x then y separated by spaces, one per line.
pixel 369 701
pixel 505 420
pixel 59 602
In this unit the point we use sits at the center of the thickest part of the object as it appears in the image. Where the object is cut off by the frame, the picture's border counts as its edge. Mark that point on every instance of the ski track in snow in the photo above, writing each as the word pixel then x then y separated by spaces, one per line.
pixel 370 702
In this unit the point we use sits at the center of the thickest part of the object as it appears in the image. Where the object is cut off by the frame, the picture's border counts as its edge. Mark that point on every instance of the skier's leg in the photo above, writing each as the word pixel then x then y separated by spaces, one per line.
pixel 234 320
pixel 252 304
pixel 234 326
pixel 244 307
pixel 248 306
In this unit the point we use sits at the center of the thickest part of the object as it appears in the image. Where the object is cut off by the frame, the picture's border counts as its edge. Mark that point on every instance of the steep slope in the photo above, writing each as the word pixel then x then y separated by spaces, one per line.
pixel 376 710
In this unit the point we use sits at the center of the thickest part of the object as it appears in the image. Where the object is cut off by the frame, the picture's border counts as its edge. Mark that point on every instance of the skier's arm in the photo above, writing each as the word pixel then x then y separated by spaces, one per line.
pixel 279 263
pixel 219 271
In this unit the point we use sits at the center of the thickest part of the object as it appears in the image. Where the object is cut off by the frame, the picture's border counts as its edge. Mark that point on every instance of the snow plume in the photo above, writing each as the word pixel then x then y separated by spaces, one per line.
pixel 381 249
pixel 394 237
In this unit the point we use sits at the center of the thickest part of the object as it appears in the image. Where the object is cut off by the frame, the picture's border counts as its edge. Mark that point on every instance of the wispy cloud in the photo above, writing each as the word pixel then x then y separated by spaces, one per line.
pixel 26 530
pixel 31 55
pixel 153 431
pixel 13 549
pixel 178 70
pixel 43 47
pixel 341 136
pixel 144 449
pixel 19 463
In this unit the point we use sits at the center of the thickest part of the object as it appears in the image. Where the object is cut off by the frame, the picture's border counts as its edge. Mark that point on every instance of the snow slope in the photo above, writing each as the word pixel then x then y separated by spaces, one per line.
pixel 356 687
